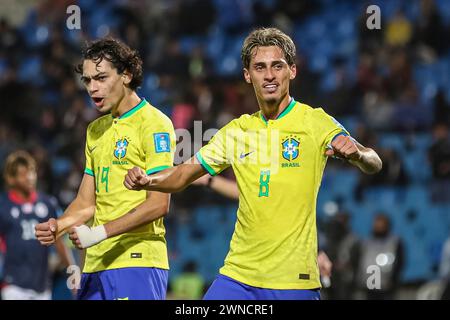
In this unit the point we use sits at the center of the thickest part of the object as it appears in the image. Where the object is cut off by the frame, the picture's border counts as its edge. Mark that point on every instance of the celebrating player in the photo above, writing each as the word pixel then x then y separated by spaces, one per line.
pixel 132 265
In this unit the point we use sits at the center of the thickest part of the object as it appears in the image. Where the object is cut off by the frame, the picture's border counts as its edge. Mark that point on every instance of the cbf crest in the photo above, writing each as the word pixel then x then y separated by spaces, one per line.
pixel 290 148
pixel 121 148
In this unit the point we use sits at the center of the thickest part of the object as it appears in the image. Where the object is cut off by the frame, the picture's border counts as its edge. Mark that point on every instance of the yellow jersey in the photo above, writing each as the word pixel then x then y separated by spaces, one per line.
pixel 142 137
pixel 278 166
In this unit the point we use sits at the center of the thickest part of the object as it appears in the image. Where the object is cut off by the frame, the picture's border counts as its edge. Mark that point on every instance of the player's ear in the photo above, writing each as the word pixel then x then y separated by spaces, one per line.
pixel 293 71
pixel 247 76
pixel 127 77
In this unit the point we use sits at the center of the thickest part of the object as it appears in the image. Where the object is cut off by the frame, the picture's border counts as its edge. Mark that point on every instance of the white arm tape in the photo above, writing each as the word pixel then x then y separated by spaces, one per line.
pixel 90 236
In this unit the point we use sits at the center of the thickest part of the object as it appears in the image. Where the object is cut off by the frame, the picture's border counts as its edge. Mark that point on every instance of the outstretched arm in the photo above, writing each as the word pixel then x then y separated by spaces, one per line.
pixel 156 206
pixel 366 159
pixel 171 180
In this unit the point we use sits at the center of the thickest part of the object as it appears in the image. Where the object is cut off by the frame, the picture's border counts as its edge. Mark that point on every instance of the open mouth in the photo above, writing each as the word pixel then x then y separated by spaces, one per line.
pixel 271 88
pixel 98 101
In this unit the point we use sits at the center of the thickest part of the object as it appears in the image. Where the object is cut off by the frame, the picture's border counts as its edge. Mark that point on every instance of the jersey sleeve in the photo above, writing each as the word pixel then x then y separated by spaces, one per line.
pixel 159 143
pixel 88 169
pixel 326 128
pixel 217 155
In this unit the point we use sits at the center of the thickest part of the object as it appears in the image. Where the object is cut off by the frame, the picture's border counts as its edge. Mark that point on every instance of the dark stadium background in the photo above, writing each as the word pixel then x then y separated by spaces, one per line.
pixel 389 87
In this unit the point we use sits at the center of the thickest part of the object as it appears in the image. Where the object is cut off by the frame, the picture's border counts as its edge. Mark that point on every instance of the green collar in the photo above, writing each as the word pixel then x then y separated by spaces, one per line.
pixel 282 114
pixel 133 110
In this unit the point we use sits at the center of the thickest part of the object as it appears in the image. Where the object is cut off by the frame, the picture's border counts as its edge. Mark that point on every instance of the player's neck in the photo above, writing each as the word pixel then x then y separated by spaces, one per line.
pixel 128 102
pixel 271 111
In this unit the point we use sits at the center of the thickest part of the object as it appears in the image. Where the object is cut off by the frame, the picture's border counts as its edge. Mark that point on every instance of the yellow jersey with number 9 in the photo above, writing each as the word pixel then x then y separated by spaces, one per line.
pixel 278 166
pixel 142 137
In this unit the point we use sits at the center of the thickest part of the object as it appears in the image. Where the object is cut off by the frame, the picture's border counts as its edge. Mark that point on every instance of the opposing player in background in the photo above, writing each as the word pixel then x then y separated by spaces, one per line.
pixel 278 155
pixel 26 274
pixel 132 265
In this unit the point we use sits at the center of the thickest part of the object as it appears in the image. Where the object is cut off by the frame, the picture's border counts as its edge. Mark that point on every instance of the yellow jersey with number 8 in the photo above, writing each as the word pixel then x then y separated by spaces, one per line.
pixel 278 166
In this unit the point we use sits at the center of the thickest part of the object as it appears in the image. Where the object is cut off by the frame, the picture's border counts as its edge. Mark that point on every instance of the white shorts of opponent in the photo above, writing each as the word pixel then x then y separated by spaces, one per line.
pixel 12 292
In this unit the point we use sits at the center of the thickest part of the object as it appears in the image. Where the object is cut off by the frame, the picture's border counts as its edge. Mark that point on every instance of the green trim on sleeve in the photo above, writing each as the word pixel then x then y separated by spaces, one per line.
pixel 89 172
pixel 156 169
pixel 206 166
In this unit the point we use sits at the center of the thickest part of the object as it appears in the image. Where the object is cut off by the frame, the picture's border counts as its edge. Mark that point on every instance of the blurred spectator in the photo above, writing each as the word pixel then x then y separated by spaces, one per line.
pixel 340 100
pixel 430 31
pixel 441 109
pixel 189 285
pixel 399 30
pixel 183 111
pixel 439 156
pixel 385 251
pixel 174 62
pixel 392 174
pixel 378 110
pixel 343 250
pixel 9 38
pixel 367 77
pixel 399 76
pixel 199 64
pixel 410 115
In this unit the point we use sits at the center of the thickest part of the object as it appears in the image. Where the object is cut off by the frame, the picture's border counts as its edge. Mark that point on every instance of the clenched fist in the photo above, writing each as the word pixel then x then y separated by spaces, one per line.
pixel 45 232
pixel 136 179
pixel 344 147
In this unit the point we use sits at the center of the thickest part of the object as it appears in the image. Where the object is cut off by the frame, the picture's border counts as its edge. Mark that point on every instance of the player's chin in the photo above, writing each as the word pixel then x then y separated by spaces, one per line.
pixel 271 98
pixel 104 108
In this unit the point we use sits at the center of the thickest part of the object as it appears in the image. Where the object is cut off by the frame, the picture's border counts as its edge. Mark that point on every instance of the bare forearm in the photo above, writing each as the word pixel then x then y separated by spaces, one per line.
pixel 225 187
pixel 171 180
pixel 369 162
pixel 76 213
pixel 139 216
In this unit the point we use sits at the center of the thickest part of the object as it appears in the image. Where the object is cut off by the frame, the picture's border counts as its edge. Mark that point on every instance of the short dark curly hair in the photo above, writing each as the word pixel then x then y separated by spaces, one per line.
pixel 121 56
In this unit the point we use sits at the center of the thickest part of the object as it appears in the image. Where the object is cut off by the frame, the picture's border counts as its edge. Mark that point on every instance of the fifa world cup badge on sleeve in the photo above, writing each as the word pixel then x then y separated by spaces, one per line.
pixel 162 142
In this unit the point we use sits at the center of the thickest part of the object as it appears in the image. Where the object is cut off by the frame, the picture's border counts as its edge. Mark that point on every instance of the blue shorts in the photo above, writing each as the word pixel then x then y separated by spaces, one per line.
pixel 226 288
pixel 124 284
